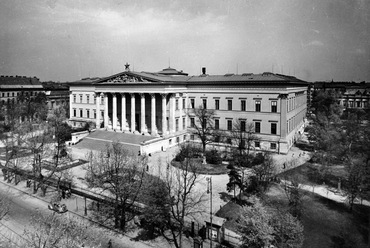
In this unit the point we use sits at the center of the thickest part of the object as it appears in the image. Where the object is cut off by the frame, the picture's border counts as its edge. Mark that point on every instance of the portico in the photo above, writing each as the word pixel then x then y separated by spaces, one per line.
pixel 137 112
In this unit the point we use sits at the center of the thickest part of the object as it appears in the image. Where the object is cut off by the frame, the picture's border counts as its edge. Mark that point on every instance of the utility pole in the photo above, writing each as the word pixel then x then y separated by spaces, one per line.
pixel 209 191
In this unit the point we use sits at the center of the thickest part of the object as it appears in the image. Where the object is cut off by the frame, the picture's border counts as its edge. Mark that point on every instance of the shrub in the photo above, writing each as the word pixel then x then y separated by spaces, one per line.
pixel 187 151
pixel 213 157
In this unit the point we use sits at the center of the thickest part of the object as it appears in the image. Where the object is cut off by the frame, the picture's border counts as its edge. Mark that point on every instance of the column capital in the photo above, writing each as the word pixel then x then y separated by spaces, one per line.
pixel 164 95
pixel 102 94
pixel 114 94
pixel 283 96
pixel 122 94
pixel 142 95
pixel 132 94
pixel 152 95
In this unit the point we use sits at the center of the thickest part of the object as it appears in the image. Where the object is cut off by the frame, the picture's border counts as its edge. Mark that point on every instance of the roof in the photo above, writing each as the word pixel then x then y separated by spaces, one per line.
pixel 132 77
pixel 19 82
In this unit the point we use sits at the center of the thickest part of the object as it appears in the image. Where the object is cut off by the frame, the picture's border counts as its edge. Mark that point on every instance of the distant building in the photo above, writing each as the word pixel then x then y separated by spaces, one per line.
pixel 57 94
pixel 12 87
pixel 353 95
pixel 158 104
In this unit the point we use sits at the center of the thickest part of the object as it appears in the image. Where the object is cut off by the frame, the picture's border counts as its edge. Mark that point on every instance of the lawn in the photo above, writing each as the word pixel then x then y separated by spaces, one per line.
pixel 326 223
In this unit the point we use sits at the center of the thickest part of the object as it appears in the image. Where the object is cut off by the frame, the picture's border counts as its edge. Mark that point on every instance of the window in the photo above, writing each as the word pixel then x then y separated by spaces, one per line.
pixel 177 139
pixel 273 128
pixel 192 137
pixel 102 100
pixel 217 104
pixel 205 103
pixel 273 146
pixel 95 99
pixel 183 124
pixel 81 98
pixel 88 113
pixel 192 122
pixel 177 124
pixel 102 114
pixel 94 113
pixel 81 113
pixel 258 106
pixel 217 124
pixel 13 94
pixel 192 103
pixel 229 125
pixel 74 98
pixel 88 98
pixel 74 112
pixel 274 106
pixel 229 104
pixel 8 94
pixel 257 144
pixel 257 127
pixel 358 104
pixel 183 103
pixel 242 126
pixel 243 106
pixel 229 141
pixel 177 104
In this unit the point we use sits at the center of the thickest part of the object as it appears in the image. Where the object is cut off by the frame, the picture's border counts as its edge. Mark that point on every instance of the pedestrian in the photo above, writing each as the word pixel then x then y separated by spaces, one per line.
pixel 284 166
pixel 63 194
pixel 110 244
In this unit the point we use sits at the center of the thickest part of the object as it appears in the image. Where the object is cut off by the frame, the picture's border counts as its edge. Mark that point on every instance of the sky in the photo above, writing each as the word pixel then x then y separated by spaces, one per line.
pixel 66 40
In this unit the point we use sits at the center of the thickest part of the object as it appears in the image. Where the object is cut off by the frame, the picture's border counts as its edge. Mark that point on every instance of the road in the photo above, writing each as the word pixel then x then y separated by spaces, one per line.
pixel 23 206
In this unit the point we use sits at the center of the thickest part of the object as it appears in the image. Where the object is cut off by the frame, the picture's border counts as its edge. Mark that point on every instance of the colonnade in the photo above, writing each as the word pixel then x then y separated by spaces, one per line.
pixel 126 122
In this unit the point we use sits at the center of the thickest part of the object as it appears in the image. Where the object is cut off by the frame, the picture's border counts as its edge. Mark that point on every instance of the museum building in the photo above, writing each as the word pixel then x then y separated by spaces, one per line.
pixel 159 105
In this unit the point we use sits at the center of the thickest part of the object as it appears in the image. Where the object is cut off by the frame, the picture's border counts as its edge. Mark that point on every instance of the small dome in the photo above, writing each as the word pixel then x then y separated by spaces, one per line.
pixel 172 72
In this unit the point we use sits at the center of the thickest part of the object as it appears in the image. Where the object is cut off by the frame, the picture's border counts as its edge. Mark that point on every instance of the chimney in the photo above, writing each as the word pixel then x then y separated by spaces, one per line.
pixel 203 70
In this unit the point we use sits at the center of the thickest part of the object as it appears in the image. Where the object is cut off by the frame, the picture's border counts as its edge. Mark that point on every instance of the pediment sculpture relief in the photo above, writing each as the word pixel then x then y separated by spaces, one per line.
pixel 127 79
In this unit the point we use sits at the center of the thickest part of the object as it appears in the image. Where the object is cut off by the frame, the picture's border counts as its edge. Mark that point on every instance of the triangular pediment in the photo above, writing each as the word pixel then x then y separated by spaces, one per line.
pixel 127 77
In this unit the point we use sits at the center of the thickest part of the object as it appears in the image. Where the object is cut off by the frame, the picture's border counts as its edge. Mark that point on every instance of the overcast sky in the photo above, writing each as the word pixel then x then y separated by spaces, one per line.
pixel 66 40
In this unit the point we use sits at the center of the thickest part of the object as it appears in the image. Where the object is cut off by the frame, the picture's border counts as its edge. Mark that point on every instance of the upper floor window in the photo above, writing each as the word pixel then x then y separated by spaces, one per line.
pixel 257 127
pixel 88 98
pixel 273 128
pixel 81 113
pixel 273 146
pixel 274 106
pixel 102 100
pixel 183 123
pixel 205 103
pixel 243 106
pixel 217 104
pixel 229 104
pixel 177 104
pixel 177 124
pixel 81 98
pixel 95 99
pixel 192 103
pixel 74 112
pixel 258 106
pixel 257 144
pixel 183 103
pixel 88 113
pixel 94 113
pixel 192 122
pixel 74 98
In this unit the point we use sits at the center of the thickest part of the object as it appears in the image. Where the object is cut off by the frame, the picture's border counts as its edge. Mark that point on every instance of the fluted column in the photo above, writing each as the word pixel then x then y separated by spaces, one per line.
pixel 164 114
pixel 132 112
pixel 97 97
pixel 70 104
pixel 142 113
pixel 153 126
pixel 106 117
pixel 123 112
pixel 114 124
pixel 180 112
pixel 172 113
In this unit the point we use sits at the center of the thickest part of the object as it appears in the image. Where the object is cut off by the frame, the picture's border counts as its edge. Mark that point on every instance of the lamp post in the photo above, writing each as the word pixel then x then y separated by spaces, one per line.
pixel 209 191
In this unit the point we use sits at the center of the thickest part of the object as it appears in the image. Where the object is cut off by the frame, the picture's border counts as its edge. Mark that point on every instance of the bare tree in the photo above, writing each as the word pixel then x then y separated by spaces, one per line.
pixel 184 201
pixel 53 231
pixel 119 174
pixel 264 171
pixel 244 136
pixel 203 125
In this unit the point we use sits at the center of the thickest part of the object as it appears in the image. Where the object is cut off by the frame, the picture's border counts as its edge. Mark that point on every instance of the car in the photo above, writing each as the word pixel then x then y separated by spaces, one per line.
pixel 58 208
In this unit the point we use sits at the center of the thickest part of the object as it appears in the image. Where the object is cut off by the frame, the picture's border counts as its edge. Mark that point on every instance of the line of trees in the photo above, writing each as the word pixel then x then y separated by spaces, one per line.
pixel 342 137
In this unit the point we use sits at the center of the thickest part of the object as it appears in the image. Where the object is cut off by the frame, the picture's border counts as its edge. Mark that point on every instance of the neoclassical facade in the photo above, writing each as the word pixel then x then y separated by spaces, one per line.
pixel 159 104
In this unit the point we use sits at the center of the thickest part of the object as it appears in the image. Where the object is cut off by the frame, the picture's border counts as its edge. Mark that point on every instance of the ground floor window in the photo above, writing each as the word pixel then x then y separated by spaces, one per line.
pixel 273 146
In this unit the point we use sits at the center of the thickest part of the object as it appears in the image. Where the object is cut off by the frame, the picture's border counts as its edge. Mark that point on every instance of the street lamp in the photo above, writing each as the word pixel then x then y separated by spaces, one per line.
pixel 209 191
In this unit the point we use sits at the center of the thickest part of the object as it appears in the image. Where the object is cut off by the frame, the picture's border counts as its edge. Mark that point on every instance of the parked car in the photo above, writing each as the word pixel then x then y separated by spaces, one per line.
pixel 57 207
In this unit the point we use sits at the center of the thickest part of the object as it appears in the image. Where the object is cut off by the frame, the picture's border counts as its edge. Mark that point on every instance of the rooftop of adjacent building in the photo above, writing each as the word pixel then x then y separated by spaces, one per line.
pixel 19 82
